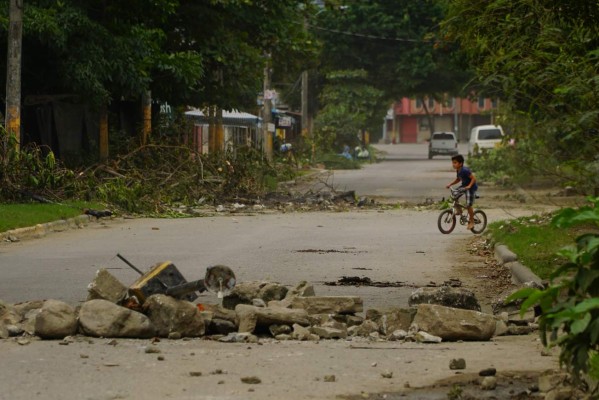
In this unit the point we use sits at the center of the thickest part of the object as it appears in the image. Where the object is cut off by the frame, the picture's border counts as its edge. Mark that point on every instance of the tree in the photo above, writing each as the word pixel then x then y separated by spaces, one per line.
pixel 396 42
pixel 99 50
pixel 184 51
pixel 541 58
pixel 349 107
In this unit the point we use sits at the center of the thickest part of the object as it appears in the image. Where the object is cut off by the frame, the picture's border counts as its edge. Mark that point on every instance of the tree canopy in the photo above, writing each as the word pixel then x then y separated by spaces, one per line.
pixel 186 52
pixel 541 57
pixel 396 41
pixel 395 50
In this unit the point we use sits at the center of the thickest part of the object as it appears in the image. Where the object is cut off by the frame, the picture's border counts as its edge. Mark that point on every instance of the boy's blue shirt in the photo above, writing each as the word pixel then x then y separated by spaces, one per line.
pixel 464 174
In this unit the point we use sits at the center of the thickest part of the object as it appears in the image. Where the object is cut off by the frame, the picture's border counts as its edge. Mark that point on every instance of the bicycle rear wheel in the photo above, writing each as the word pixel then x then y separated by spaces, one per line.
pixel 480 221
pixel 446 221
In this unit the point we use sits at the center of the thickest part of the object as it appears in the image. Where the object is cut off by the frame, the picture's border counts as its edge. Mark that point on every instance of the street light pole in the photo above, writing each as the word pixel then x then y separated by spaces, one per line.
pixel 13 71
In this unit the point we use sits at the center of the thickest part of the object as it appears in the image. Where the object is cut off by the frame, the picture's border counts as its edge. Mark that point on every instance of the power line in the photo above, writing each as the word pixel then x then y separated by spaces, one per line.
pixel 368 36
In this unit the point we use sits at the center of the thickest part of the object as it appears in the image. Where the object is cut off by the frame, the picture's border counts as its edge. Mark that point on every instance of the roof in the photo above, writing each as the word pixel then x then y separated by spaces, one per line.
pixel 233 117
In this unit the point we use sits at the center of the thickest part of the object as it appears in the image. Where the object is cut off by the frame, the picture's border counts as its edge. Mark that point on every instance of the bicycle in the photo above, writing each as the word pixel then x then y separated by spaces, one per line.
pixel 448 218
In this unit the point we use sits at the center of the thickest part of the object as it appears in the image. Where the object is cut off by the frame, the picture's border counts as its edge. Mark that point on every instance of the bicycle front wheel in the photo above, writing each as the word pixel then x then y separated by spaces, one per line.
pixel 446 221
pixel 480 221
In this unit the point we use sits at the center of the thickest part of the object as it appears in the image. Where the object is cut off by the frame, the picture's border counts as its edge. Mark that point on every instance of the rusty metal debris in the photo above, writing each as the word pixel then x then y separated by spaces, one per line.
pixel 165 278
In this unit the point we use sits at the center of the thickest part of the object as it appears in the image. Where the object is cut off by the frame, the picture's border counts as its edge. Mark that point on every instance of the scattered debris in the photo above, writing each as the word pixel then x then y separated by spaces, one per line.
pixel 252 380
pixel 457 363
pixel 365 281
pixel 387 374
pixel 98 213
pixel 253 311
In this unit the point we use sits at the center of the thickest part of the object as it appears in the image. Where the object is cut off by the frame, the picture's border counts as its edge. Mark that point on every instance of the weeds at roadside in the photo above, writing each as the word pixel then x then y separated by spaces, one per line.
pixel 535 241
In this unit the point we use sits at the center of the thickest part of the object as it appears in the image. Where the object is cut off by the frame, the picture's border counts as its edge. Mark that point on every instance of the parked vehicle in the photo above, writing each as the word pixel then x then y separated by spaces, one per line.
pixel 442 143
pixel 484 137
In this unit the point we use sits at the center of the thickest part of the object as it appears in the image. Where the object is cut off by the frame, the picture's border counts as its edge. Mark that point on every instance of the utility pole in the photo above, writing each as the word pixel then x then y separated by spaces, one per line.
pixel 266 118
pixel 306 131
pixel 146 111
pixel 13 71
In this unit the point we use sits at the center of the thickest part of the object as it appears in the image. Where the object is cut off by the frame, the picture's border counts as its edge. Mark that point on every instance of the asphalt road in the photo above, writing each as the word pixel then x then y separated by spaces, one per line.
pixel 400 245
pixel 397 245
pixel 405 175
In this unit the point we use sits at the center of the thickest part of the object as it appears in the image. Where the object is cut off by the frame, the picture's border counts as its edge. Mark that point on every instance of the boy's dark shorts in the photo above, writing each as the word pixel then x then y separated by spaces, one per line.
pixel 470 195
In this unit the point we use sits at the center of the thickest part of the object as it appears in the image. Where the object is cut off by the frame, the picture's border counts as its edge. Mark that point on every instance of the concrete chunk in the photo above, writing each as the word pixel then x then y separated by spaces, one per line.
pixel 454 323
pixel 329 304
pixel 249 317
pixel 106 287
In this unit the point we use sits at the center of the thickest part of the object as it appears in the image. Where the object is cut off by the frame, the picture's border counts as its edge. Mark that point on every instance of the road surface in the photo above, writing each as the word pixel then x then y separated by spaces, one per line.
pixel 398 245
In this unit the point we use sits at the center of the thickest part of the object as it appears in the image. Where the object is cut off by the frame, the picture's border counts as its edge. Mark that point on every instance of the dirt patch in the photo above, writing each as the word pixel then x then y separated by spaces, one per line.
pixel 480 272
pixel 512 385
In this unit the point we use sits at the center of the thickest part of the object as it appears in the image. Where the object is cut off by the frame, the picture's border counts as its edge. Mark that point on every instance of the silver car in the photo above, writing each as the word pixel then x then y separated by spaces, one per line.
pixel 442 143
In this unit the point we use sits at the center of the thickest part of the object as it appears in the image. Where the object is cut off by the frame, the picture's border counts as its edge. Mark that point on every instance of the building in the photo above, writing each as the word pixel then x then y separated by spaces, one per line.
pixel 407 120
pixel 240 129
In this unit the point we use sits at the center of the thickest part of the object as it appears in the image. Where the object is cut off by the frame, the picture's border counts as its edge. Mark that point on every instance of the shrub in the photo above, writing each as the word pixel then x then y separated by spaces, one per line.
pixel 570 304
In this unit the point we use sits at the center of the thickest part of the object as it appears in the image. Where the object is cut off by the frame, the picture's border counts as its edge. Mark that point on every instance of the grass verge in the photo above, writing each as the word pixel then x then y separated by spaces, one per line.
pixel 536 241
pixel 14 216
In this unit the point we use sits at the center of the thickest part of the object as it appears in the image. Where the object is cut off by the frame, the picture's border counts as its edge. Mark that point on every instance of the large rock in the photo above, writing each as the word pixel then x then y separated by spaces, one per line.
pixel 55 320
pixel 445 296
pixel 172 315
pixel 246 292
pixel 391 319
pixel 102 318
pixel 249 317
pixel 9 314
pixel 329 304
pixel 454 323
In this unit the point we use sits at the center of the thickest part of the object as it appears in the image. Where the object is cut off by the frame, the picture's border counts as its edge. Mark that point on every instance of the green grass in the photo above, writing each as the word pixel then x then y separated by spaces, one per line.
pixel 336 161
pixel 536 241
pixel 29 214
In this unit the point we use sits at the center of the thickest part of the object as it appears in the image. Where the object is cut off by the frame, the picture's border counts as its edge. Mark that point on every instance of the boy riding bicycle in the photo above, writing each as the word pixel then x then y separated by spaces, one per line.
pixel 468 185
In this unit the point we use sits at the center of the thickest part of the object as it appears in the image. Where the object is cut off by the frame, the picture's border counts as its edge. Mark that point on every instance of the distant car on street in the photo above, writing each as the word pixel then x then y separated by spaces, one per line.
pixel 442 143
pixel 484 137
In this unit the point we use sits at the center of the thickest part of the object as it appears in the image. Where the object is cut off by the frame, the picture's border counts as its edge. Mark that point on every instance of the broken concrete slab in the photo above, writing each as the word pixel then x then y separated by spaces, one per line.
pixel 454 323
pixel 249 317
pixel 246 292
pixel 445 296
pixel 302 289
pixel 329 332
pixel 172 315
pixel 391 319
pixel 106 286
pixel 329 304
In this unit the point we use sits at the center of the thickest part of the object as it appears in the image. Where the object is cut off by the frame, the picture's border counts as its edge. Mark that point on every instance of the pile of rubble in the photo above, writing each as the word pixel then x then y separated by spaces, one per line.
pixel 283 201
pixel 255 310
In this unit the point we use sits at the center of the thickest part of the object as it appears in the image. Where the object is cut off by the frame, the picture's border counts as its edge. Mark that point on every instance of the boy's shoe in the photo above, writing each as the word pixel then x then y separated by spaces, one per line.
pixel 470 225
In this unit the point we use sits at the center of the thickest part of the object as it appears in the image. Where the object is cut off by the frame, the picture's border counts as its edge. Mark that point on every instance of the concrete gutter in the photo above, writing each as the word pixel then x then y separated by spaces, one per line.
pixel 520 273
pixel 41 230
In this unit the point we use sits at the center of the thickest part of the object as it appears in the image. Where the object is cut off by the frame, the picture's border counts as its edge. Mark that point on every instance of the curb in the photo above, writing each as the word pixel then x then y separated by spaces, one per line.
pixel 520 273
pixel 41 230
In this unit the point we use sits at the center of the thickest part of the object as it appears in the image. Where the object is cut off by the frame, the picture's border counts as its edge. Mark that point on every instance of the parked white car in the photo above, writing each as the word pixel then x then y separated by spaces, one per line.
pixel 442 143
pixel 484 137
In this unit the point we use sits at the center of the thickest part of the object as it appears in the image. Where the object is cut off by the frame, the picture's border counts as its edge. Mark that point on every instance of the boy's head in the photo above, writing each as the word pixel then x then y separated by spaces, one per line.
pixel 457 161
